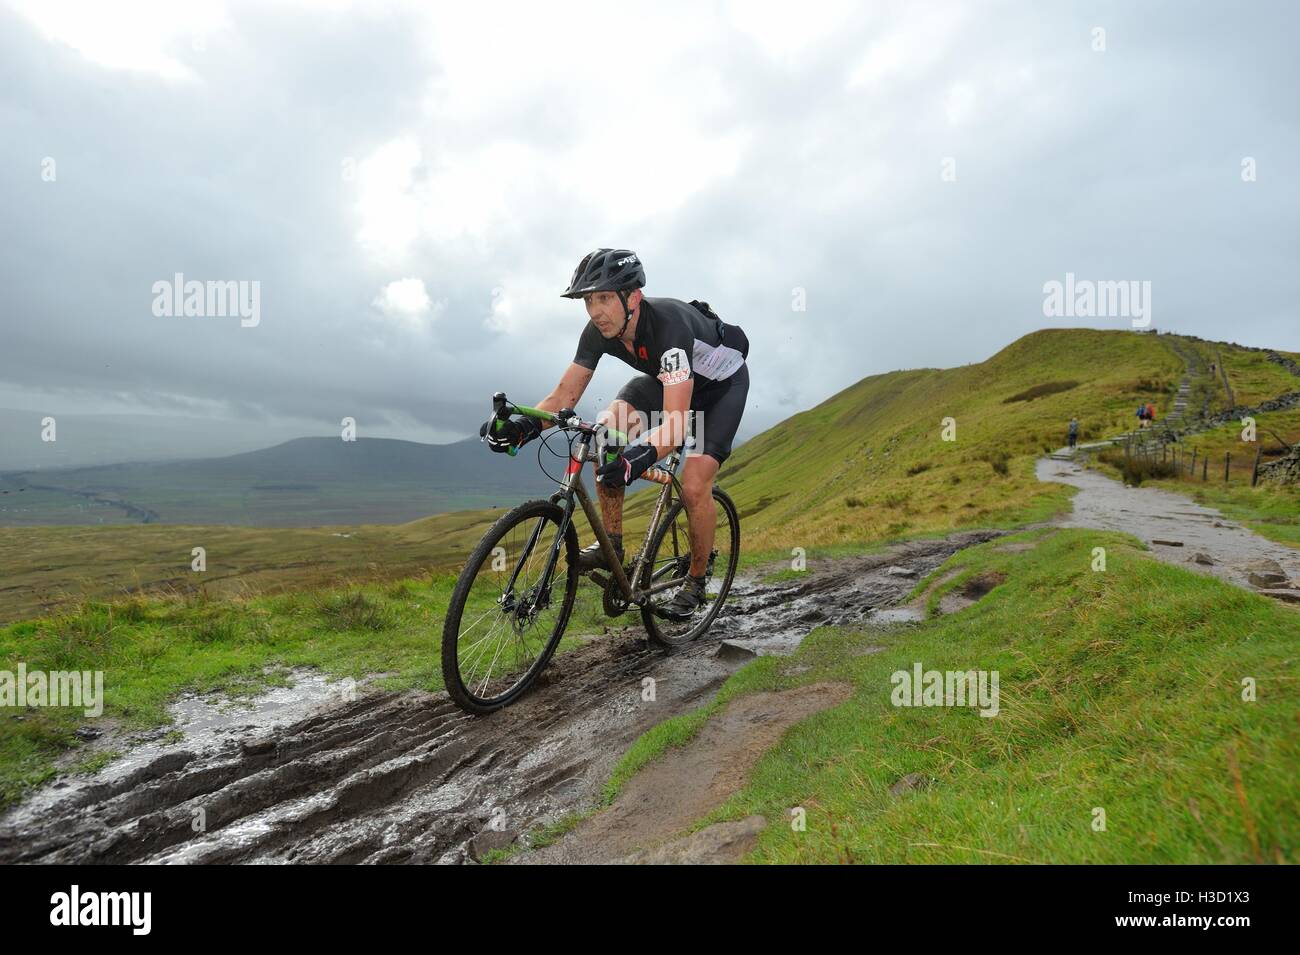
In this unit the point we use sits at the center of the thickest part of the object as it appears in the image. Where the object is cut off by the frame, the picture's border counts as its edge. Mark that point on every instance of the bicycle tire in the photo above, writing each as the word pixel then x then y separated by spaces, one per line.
pixel 655 626
pixel 465 696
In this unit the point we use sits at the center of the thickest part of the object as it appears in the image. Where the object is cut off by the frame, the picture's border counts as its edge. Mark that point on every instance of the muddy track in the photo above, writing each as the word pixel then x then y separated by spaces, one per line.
pixel 407 777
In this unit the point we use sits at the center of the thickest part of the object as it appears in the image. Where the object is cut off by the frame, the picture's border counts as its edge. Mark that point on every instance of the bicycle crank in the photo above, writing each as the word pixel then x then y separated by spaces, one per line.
pixel 615 602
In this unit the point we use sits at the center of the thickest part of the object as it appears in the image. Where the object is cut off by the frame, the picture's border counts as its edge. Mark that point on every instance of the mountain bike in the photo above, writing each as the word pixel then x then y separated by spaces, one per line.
pixel 512 602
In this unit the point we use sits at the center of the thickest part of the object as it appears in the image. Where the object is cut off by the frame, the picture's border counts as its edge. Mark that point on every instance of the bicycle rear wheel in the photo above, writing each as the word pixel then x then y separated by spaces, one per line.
pixel 504 620
pixel 670 558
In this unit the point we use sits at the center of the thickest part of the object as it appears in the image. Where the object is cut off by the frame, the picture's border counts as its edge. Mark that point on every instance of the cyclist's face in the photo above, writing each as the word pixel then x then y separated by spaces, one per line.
pixel 606 311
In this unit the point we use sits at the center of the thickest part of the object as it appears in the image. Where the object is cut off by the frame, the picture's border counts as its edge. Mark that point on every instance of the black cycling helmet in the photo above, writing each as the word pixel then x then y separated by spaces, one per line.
pixel 606 270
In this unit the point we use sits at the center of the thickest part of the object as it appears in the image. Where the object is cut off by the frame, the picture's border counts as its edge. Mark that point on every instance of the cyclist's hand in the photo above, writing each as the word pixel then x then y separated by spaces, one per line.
pixel 628 466
pixel 512 433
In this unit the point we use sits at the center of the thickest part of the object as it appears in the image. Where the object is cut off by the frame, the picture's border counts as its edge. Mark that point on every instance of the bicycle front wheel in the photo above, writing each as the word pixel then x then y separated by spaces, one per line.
pixel 507 614
pixel 670 559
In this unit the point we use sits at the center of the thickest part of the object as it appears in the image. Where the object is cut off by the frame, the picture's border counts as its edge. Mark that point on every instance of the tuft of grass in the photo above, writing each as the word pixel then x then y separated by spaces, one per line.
pixel 1136 468
pixel 997 459
pixel 538 838
pixel 354 611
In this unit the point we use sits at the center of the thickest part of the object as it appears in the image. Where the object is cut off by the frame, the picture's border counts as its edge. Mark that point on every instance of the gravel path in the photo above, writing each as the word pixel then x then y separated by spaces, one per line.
pixel 1177 530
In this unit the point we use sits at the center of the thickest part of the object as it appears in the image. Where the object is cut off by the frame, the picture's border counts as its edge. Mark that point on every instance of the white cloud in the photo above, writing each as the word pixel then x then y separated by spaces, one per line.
pixel 140 35
pixel 908 50
pixel 960 103
pixel 632 144
pixel 405 304
pixel 784 31
pixel 388 207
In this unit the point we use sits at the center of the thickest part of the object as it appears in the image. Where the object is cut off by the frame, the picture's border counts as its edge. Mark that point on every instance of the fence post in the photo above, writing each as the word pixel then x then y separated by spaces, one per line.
pixel 1254 472
pixel 1227 460
pixel 1192 472
pixel 1205 467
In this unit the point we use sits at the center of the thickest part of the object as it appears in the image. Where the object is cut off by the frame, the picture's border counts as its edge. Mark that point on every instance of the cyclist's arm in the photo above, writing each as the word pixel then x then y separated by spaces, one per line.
pixel 568 391
pixel 670 434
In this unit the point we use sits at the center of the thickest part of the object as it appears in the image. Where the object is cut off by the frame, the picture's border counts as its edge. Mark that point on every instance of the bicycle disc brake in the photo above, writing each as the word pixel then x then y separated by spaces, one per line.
pixel 523 609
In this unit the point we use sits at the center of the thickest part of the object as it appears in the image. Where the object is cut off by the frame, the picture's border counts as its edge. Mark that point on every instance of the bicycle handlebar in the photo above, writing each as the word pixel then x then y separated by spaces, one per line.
pixel 502 408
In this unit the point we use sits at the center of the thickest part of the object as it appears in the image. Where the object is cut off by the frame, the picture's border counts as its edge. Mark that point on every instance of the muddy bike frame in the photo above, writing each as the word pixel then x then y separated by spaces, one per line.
pixel 587 448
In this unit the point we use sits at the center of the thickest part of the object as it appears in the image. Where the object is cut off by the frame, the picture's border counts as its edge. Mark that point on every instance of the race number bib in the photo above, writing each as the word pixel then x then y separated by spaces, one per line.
pixel 674 366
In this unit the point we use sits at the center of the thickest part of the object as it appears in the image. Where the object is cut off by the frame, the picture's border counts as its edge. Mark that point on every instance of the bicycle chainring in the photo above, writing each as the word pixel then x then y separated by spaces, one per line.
pixel 615 602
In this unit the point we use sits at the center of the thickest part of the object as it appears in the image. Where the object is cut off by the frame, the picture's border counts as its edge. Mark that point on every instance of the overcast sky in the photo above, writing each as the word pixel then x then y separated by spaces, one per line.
pixel 411 188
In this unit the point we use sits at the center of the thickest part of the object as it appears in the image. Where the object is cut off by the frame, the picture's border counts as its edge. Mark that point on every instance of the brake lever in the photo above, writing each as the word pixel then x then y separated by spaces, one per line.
pixel 501 408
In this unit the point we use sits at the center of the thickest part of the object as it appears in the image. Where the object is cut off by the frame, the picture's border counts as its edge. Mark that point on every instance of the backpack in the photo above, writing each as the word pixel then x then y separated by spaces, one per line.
pixel 1151 412
pixel 733 336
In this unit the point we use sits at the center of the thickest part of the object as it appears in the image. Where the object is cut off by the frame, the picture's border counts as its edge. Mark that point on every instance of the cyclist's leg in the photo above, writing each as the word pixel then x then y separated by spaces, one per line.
pixel 716 421
pixel 697 493
pixel 629 412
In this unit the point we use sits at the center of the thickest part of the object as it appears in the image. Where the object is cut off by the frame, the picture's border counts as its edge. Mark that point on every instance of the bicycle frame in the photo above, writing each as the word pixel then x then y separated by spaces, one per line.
pixel 668 474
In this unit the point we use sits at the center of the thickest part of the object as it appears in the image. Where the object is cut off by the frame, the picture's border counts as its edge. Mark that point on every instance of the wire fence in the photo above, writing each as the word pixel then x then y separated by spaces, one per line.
pixel 1188 462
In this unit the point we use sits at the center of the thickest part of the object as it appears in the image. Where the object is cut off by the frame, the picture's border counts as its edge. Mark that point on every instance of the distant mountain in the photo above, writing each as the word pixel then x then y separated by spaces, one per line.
pixel 301 482
pixel 85 440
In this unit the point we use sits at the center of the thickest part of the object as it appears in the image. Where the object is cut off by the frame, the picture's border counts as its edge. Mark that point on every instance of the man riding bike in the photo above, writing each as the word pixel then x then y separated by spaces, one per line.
pixel 689 359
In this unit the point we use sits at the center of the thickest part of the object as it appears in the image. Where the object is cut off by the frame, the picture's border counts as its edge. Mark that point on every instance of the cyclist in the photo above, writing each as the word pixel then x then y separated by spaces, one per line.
pixel 688 360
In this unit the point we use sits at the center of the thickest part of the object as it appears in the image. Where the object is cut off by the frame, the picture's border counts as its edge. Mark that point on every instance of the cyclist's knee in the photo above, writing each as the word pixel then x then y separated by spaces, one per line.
pixel 696 487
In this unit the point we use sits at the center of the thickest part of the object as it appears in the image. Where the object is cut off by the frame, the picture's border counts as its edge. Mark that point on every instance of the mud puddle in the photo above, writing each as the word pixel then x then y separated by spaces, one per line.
pixel 408 777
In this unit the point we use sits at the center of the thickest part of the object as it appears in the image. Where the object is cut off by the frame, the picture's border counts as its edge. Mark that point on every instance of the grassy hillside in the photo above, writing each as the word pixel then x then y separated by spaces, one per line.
pixel 870 462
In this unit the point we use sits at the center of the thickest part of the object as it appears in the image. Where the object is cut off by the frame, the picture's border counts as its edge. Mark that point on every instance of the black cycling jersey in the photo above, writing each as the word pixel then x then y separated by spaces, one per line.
pixel 674 342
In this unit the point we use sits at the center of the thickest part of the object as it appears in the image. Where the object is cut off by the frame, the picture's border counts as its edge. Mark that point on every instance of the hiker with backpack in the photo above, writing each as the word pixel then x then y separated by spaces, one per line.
pixel 1074 432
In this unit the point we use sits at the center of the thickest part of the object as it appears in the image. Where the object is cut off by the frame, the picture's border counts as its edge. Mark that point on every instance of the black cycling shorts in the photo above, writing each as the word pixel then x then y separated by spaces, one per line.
pixel 720 404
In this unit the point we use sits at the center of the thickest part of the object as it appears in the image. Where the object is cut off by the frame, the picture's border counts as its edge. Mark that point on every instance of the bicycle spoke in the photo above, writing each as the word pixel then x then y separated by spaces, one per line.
pixel 490 661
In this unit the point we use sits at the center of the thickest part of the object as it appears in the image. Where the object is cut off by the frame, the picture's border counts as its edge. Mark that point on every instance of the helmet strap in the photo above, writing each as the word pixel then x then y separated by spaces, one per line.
pixel 627 312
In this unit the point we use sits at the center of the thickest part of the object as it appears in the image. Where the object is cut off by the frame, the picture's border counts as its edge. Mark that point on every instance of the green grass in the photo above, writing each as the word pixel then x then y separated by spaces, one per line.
pixel 150 651
pixel 48 569
pixel 1119 690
